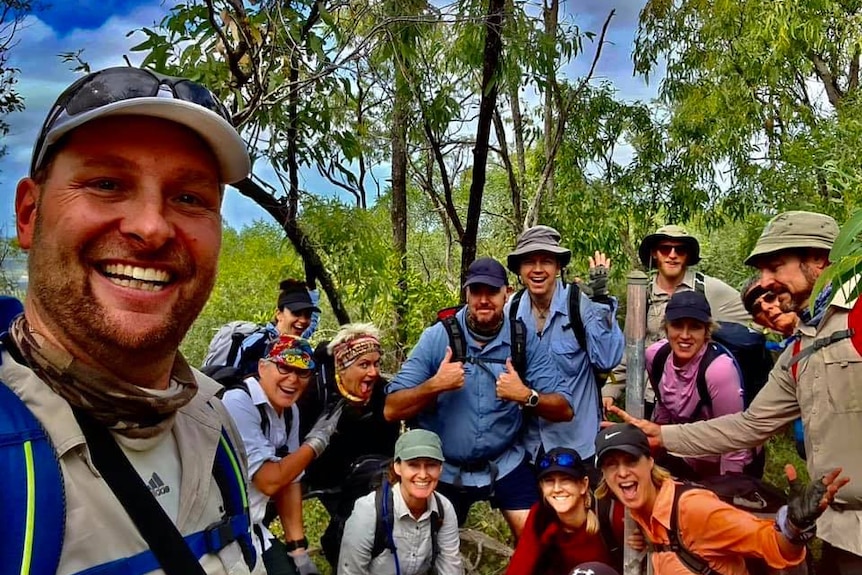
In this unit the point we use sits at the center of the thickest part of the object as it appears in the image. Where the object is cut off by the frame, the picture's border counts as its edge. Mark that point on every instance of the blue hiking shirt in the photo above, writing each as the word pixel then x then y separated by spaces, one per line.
pixel 474 425
pixel 605 346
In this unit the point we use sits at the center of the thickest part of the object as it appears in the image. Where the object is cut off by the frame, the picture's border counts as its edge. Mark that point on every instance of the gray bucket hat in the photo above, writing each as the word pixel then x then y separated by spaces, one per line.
pixel 538 239
pixel 794 229
pixel 669 232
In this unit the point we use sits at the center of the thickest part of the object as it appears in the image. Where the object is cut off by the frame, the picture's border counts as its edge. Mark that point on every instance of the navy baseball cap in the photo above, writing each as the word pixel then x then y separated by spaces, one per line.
pixel 688 304
pixel 487 271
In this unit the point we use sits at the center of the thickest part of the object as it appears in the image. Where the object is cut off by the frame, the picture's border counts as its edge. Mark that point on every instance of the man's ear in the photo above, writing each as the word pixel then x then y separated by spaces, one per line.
pixel 26 210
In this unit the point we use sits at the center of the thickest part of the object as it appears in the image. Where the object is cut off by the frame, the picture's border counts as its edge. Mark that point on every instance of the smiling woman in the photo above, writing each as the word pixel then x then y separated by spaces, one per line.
pixel 562 530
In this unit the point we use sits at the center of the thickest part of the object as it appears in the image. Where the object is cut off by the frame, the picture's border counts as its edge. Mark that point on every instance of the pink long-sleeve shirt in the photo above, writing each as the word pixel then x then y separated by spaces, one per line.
pixel 679 398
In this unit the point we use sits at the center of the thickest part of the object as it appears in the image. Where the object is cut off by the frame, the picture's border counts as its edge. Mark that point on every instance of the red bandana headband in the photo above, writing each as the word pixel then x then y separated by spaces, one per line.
pixel 347 352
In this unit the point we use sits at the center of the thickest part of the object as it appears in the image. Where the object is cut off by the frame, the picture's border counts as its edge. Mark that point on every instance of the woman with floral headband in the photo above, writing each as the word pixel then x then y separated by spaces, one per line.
pixel 348 372
pixel 265 412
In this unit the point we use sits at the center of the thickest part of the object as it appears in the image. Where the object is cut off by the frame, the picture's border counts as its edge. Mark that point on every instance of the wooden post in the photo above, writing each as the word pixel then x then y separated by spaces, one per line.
pixel 635 330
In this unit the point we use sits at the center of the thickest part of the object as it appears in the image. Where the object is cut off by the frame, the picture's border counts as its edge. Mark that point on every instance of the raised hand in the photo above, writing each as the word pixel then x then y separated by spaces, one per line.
pixel 652 430
pixel 600 266
pixel 450 374
pixel 509 384
pixel 806 503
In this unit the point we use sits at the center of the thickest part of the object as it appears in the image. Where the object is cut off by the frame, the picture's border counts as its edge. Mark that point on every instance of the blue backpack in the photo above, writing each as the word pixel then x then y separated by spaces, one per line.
pixel 32 497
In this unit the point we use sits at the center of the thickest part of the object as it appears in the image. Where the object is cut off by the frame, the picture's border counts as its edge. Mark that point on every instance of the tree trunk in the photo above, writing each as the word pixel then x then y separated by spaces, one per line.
pixel 551 17
pixel 399 205
pixel 490 67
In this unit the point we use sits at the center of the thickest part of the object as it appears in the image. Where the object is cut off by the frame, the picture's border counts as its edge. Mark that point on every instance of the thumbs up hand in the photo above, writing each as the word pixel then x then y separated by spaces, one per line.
pixel 509 385
pixel 450 374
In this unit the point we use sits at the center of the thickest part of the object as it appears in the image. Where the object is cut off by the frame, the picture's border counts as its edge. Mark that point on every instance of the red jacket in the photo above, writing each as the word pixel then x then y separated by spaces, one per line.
pixel 545 549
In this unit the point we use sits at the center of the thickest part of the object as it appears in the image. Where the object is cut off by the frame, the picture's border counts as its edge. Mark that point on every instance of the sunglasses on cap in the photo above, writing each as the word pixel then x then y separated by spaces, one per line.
pixel 560 459
pixel 665 249
pixel 115 85
pixel 303 374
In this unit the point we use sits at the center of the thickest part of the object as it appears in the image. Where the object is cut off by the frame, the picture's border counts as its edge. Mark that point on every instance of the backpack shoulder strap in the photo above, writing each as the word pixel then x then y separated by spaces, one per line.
pixel 457 341
pixel 605 513
pixel 658 363
pixel 436 524
pixel 384 505
pixel 695 563
pixel 713 350
pixel 575 320
pixel 518 335
pixel 700 282
pixel 32 496
pixel 515 302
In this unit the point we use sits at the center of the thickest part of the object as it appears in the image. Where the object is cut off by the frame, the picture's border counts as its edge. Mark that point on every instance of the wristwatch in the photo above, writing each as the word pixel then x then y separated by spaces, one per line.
pixel 533 400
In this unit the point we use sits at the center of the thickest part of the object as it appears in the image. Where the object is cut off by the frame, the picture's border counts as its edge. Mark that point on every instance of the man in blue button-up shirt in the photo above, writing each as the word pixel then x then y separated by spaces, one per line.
pixel 539 259
pixel 477 406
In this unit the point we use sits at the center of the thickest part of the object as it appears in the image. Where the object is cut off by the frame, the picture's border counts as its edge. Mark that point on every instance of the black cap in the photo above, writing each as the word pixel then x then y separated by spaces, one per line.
pixel 688 304
pixel 296 301
pixel 487 271
pixel 561 460
pixel 623 437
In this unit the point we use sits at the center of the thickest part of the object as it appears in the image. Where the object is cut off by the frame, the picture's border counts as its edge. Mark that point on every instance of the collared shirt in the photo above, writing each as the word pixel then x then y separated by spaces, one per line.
pixel 472 422
pixel 680 398
pixel 605 346
pixel 719 533
pixel 412 539
pixel 260 448
pixel 98 529
pixel 826 390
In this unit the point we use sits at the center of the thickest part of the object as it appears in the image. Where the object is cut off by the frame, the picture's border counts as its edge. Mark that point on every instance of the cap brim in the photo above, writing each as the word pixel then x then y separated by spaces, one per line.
pixel 226 144
pixel 630 449
pixel 513 260
pixel 575 472
pixel 417 452
pixel 687 313
pixel 295 307
pixel 768 246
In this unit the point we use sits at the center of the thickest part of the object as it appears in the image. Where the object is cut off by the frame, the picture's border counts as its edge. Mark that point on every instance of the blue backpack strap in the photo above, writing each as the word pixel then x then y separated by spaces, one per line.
pixel 32 496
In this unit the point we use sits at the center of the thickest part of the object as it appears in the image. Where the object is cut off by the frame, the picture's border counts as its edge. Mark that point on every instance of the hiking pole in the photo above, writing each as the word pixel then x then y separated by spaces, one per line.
pixel 635 331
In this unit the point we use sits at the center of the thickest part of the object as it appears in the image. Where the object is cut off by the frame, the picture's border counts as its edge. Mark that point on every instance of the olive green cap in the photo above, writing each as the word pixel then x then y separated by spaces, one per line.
pixel 669 232
pixel 795 229
pixel 418 443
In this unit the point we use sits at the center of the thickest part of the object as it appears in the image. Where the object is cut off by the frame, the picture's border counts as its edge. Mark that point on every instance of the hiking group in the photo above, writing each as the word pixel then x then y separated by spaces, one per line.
pixel 120 458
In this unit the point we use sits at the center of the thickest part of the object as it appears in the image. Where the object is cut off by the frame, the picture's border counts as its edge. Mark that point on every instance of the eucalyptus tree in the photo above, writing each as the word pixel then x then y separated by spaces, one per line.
pixel 760 92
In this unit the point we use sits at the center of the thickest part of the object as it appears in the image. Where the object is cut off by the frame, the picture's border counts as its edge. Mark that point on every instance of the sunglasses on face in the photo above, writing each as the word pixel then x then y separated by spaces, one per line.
pixel 768 298
pixel 562 460
pixel 302 374
pixel 665 249
pixel 115 85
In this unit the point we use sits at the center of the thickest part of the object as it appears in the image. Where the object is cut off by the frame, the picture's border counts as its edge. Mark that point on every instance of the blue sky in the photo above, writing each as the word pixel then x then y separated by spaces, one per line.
pixel 100 28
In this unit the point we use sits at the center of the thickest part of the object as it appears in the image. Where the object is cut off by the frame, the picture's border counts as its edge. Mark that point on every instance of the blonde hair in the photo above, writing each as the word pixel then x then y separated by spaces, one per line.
pixel 592 524
pixel 351 331
pixel 658 475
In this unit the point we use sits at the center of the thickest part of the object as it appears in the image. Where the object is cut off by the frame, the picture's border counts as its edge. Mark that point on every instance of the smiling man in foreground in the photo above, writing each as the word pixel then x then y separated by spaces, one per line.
pixel 121 218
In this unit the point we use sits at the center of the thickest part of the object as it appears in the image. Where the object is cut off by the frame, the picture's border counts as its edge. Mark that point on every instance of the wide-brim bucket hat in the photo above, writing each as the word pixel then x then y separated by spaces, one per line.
pixel 538 239
pixel 794 229
pixel 669 232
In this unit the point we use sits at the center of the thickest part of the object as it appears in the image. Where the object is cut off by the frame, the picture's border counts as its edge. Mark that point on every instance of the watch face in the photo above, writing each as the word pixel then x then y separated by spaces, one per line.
pixel 534 399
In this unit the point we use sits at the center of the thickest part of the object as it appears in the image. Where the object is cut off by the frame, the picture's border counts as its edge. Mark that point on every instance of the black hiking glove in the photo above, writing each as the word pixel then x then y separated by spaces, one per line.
pixel 598 283
pixel 803 503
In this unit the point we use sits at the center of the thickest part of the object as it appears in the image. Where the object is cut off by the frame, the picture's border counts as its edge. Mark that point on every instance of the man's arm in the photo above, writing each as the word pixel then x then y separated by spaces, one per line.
pixel 410 402
pixel 605 340
pixel 725 302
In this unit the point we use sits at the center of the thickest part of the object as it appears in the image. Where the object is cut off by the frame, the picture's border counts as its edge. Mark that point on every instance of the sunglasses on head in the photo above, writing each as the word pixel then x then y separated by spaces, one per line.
pixel 665 249
pixel 115 85
pixel 303 374
pixel 561 459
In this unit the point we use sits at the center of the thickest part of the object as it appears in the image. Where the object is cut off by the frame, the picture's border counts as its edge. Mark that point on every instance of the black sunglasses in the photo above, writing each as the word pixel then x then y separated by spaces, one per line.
pixel 769 297
pixel 665 249
pixel 561 459
pixel 303 374
pixel 115 85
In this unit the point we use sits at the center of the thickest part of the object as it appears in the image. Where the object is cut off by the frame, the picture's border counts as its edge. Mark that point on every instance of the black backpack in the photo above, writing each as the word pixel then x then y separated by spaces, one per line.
pixel 458 342
pixel 576 324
